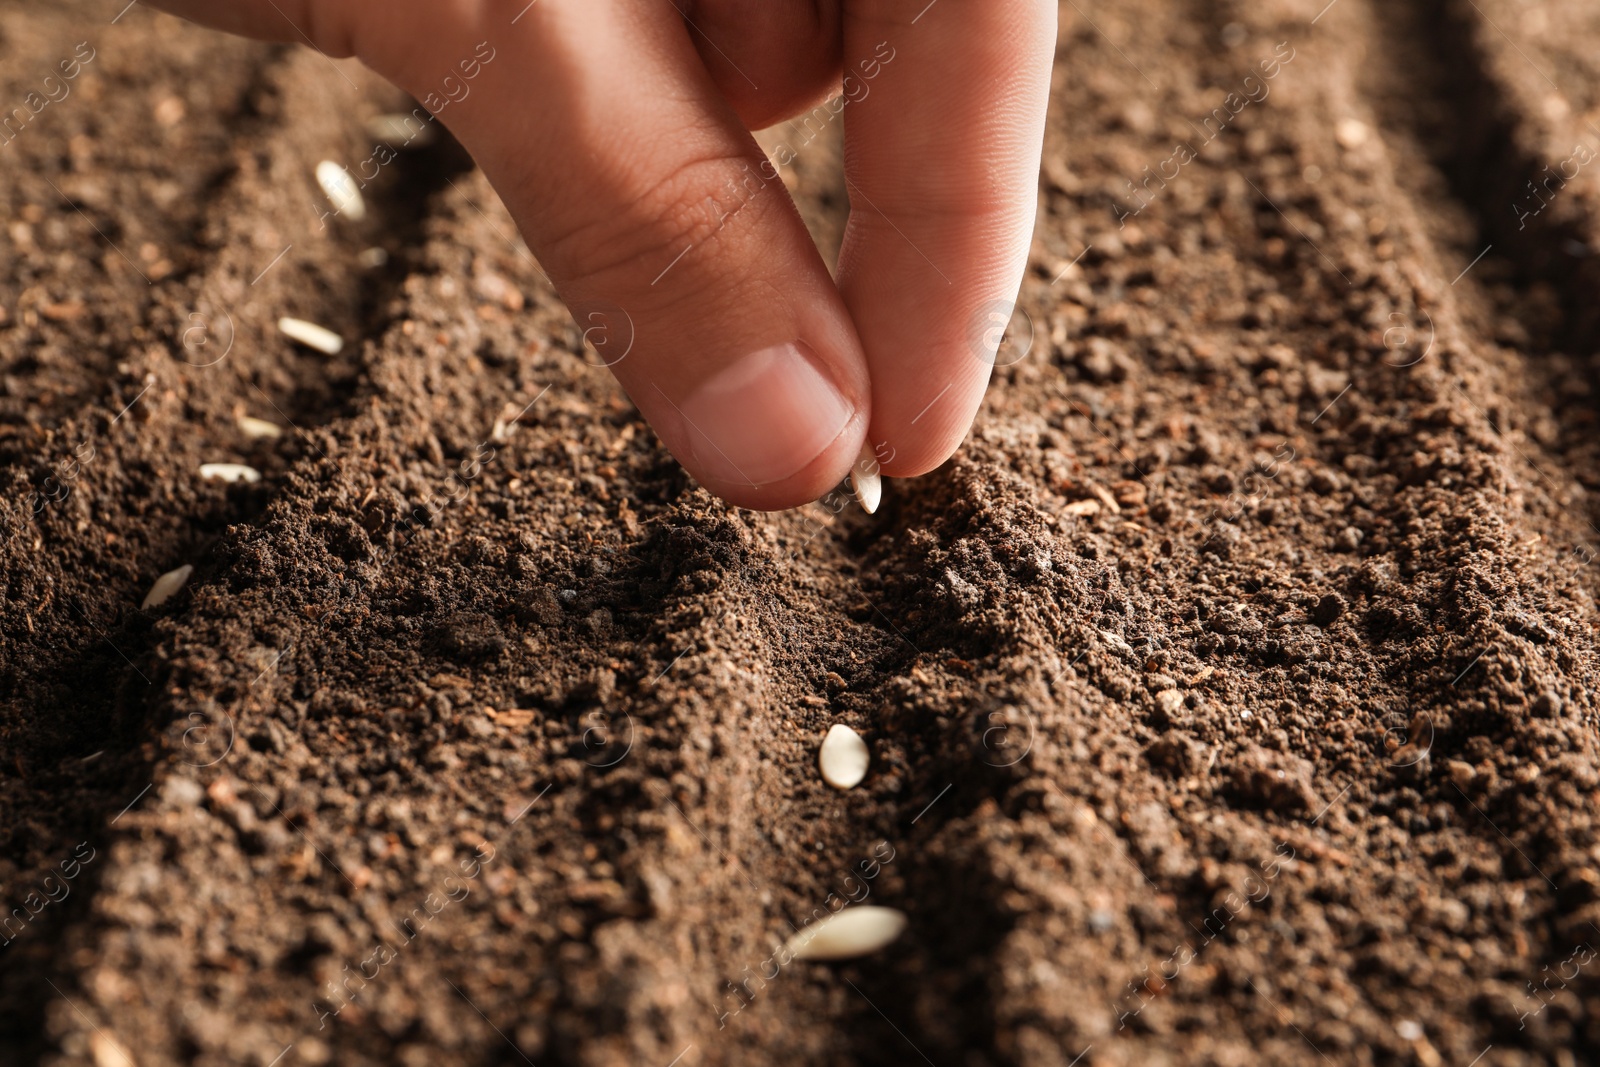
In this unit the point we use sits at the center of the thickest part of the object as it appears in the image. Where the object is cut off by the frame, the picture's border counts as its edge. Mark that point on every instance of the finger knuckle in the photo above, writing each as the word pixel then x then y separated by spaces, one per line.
pixel 698 201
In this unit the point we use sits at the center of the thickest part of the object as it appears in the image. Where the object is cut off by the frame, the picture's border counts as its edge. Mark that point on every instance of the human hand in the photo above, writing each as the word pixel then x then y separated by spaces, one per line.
pixel 617 133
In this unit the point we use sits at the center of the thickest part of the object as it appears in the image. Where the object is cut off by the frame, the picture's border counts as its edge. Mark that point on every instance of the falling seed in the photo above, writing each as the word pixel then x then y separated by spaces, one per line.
pixel 372 258
pixel 843 757
pixel 865 480
pixel 854 932
pixel 229 472
pixel 341 190
pixel 167 585
pixel 311 335
pixel 256 429
pixel 401 131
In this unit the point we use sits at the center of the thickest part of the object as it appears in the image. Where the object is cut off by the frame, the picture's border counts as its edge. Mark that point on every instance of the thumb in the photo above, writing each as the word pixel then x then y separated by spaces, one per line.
pixel 650 206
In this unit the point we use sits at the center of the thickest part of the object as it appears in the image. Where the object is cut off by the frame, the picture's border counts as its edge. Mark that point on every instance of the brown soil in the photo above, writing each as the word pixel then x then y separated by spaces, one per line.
pixel 1230 693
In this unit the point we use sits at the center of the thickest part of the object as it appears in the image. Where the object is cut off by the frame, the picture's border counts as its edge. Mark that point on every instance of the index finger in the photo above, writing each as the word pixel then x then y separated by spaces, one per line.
pixel 942 145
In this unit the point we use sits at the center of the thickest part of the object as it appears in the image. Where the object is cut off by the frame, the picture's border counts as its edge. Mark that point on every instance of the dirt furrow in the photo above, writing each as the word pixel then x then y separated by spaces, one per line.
pixel 1302 187
pixel 77 654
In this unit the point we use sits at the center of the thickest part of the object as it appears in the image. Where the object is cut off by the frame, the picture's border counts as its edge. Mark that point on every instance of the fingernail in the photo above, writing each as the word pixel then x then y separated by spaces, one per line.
pixel 765 417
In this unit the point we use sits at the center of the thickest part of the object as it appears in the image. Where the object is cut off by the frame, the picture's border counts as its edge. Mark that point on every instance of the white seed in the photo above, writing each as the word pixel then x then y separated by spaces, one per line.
pixel 341 190
pixel 229 472
pixel 311 335
pixel 843 757
pixel 106 1052
pixel 866 481
pixel 167 585
pixel 1351 133
pixel 372 258
pixel 401 131
pixel 256 429
pixel 856 931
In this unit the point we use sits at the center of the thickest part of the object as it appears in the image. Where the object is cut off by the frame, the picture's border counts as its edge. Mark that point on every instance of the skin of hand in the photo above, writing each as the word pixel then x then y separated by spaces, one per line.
pixel 617 133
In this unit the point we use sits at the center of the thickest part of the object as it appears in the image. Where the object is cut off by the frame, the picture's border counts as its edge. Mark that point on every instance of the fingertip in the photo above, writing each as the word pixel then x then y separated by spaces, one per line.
pixel 910 441
pixel 811 482
pixel 933 256
pixel 770 430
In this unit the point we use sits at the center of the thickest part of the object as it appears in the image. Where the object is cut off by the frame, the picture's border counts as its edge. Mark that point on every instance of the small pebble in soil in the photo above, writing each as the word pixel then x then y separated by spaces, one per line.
pixel 257 429
pixel 341 190
pixel 167 586
pixel 849 934
pixel 311 335
pixel 229 472
pixel 1170 701
pixel 865 480
pixel 843 757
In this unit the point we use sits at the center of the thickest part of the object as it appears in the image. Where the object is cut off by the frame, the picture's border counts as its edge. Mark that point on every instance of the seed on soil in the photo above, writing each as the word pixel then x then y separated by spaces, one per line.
pixel 257 429
pixel 341 190
pixel 865 480
pixel 850 934
pixel 167 585
pixel 843 757
pixel 400 131
pixel 169 111
pixel 229 472
pixel 1351 133
pixel 311 335
pixel 105 1051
